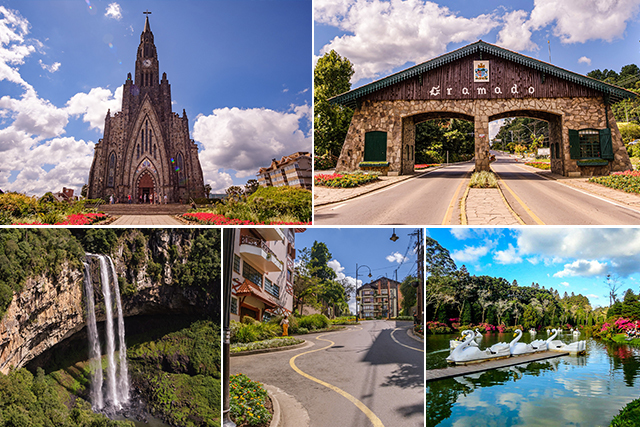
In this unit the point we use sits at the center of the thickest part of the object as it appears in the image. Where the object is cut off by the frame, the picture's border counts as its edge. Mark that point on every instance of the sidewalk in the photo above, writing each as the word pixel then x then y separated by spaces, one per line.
pixel 160 220
pixel 287 411
pixel 486 206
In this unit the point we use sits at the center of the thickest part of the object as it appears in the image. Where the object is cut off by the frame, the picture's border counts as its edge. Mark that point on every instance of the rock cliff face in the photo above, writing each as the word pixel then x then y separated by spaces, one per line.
pixel 51 309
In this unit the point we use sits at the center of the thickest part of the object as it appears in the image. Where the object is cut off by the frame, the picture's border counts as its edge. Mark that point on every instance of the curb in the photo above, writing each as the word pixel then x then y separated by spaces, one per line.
pixel 270 350
pixel 287 411
pixel 414 336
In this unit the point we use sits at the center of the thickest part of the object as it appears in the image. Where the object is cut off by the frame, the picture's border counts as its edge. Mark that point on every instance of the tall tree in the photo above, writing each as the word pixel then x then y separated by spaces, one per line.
pixel 409 293
pixel 331 77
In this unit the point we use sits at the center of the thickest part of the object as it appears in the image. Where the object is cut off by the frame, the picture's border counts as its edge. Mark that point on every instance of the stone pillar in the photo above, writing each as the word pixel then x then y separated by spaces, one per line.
pixel 481 132
pixel 555 138
pixel 408 145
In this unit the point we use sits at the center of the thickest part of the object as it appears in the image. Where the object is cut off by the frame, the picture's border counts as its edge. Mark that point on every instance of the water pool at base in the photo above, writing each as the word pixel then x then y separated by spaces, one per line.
pixel 565 391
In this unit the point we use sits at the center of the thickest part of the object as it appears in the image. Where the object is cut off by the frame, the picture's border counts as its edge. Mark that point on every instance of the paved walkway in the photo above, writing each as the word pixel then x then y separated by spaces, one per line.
pixel 485 206
pixel 159 220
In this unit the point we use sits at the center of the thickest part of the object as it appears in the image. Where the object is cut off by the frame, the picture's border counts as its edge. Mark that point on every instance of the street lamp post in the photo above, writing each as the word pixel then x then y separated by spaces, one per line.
pixel 358 268
pixel 228 242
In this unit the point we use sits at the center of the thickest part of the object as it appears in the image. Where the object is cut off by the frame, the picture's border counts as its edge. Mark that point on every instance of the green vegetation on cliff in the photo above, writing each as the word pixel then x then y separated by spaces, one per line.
pixel 27 401
pixel 179 375
pixel 30 252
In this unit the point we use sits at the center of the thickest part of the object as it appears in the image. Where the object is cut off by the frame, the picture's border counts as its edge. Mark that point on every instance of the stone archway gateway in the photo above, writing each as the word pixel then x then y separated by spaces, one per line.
pixel 481 83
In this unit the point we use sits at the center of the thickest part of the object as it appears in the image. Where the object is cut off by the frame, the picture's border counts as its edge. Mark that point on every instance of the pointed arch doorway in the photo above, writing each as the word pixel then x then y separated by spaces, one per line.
pixel 146 188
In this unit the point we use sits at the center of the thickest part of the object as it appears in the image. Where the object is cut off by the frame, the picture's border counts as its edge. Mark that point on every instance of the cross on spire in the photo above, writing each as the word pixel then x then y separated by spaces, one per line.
pixel 147 13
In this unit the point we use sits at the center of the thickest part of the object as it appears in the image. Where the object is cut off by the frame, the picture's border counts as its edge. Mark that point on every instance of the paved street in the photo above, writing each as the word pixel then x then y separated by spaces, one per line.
pixel 536 197
pixel 422 200
pixel 367 375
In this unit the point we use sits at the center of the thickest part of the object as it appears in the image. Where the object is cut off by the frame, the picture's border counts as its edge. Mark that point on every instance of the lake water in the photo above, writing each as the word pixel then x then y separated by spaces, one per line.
pixel 565 391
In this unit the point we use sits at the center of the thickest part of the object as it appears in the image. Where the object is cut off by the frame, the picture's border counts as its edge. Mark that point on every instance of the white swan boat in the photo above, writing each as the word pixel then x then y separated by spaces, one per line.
pixel 477 338
pixel 518 348
pixel 578 347
pixel 466 353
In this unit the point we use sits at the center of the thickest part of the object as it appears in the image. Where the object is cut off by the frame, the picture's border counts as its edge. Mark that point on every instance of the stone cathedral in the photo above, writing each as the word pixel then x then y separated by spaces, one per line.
pixel 146 151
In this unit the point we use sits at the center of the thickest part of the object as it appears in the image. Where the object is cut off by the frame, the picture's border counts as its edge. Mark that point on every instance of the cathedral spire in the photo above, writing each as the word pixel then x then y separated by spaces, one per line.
pixel 147 27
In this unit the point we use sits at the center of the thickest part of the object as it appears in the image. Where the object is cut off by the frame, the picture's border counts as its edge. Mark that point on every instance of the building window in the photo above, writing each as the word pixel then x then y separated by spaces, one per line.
pixel 590 144
pixel 180 170
pixel 271 288
pixel 111 176
pixel 234 305
pixel 375 147
pixel 236 263
pixel 251 274
pixel 289 276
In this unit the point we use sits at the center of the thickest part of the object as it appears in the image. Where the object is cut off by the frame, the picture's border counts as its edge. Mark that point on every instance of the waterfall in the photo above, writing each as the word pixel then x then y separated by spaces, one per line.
pixel 123 383
pixel 95 355
pixel 117 379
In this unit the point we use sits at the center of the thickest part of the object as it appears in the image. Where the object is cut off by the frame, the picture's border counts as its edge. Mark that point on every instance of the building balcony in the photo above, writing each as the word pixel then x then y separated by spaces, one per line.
pixel 270 233
pixel 258 253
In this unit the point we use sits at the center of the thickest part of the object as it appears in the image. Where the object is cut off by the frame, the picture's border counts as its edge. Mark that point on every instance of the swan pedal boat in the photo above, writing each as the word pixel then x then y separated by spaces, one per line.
pixel 578 347
pixel 467 353
pixel 477 339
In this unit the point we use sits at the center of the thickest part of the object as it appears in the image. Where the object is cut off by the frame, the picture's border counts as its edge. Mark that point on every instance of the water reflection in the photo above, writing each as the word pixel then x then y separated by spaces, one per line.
pixel 565 391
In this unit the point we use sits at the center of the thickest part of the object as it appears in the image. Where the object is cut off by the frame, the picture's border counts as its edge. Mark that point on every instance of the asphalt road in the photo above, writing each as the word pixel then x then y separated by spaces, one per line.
pixel 553 203
pixel 423 200
pixel 376 363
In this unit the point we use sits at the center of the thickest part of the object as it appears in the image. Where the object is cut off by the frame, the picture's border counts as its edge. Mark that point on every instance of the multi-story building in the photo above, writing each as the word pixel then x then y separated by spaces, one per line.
pixel 293 170
pixel 262 277
pixel 379 299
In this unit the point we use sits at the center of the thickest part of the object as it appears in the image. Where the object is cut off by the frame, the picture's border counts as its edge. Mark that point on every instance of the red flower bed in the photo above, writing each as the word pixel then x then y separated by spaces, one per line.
pixel 539 165
pixel 74 219
pixel 426 166
pixel 628 181
pixel 215 219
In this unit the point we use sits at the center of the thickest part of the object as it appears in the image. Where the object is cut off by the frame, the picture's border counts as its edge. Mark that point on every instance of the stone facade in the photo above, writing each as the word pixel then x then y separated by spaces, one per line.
pixel 510 85
pixel 399 118
pixel 146 151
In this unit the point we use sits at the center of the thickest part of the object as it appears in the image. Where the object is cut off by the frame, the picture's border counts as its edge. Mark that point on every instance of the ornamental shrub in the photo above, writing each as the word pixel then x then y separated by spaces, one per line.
pixel 314 321
pixel 247 401
pixel 483 179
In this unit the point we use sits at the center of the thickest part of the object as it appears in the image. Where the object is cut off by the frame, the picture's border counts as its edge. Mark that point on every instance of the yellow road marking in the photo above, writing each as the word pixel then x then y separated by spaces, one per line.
pixel 504 199
pixel 447 215
pixel 404 345
pixel 368 412
pixel 527 210
pixel 463 207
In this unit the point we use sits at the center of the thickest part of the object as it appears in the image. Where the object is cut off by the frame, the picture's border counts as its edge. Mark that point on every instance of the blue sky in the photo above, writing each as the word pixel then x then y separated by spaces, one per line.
pixel 370 247
pixel 382 37
pixel 240 69
pixel 567 259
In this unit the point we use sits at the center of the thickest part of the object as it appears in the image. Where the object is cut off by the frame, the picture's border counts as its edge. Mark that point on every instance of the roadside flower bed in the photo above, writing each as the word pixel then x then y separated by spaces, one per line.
pixel 426 166
pixel 208 218
pixel 437 328
pixel 247 401
pixel 74 219
pixel 259 345
pixel 539 165
pixel 347 180
pixel 628 181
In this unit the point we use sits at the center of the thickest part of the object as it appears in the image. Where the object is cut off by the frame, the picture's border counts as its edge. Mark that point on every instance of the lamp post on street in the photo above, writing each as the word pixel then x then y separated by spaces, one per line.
pixel 358 268
pixel 228 239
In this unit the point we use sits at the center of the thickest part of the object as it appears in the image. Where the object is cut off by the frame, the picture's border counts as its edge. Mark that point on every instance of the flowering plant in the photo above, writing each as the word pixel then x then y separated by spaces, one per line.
pixel 246 401
pixel 347 180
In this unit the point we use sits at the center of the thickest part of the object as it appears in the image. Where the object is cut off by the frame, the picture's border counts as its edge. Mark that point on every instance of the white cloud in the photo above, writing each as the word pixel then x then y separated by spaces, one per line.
pixel 93 106
pixel 584 60
pixel 619 248
pixel 50 68
pixel 508 256
pixel 334 264
pixel 397 257
pixel 114 11
pixel 461 233
pixel 471 253
pixel 583 268
pixel 247 139
pixel 565 284
pixel 381 36
pixel 593 296
pixel 516 32
pixel 577 21
pixel 13 51
pixel 34 115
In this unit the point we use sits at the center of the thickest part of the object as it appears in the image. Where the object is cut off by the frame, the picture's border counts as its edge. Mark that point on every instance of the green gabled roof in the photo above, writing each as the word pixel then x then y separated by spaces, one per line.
pixel 350 98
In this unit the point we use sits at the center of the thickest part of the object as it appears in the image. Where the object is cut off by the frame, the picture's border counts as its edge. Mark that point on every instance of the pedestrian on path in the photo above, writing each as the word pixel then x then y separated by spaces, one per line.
pixel 165 199
pixel 285 325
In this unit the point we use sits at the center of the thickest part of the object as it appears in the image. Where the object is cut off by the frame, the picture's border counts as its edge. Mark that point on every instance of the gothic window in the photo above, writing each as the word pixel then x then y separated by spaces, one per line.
pixel 138 151
pixel 154 151
pixel 180 170
pixel 111 175
pixel 146 135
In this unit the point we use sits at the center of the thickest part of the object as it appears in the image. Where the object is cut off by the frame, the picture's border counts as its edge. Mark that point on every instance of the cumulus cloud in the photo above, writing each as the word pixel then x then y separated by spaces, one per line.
pixel 471 253
pixel 594 296
pixel 583 268
pixel 565 284
pixel 13 50
pixel 461 233
pixel 577 21
pixel 381 35
pixel 397 257
pixel 50 68
pixel 334 264
pixel 516 32
pixel 619 246
pixel 114 11
pixel 584 60
pixel 247 139
pixel 34 115
pixel 508 256
pixel 94 105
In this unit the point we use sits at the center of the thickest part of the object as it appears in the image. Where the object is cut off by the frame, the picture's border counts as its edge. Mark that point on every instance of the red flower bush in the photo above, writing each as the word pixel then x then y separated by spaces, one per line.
pixel 216 219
